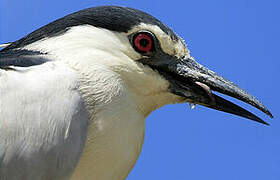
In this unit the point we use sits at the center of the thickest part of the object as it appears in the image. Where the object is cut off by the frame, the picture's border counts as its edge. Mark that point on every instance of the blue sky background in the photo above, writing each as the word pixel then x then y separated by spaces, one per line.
pixel 239 39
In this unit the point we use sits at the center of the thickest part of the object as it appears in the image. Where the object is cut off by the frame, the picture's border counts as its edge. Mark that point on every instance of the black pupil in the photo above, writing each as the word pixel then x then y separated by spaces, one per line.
pixel 144 42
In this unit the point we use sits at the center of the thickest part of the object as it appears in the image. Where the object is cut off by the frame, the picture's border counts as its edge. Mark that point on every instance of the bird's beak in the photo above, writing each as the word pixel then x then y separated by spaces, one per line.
pixel 195 83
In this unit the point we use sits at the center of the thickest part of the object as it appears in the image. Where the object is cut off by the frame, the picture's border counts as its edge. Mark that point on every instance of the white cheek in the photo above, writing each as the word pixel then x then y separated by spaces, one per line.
pixel 126 47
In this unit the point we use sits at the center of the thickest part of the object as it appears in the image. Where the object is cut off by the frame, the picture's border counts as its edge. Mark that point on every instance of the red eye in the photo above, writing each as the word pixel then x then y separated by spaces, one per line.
pixel 143 42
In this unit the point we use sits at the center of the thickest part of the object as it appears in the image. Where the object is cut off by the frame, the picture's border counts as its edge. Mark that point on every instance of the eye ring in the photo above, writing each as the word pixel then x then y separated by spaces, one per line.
pixel 143 42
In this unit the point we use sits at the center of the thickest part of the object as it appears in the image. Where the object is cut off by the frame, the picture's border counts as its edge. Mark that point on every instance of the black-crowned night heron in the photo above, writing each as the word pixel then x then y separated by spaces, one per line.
pixel 75 93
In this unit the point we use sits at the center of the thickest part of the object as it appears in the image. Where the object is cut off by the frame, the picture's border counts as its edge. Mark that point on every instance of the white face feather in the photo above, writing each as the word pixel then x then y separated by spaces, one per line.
pixel 88 36
pixel 88 50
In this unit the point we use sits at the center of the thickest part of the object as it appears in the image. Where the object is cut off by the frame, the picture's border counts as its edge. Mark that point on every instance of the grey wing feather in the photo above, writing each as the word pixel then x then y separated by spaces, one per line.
pixel 43 123
pixel 21 58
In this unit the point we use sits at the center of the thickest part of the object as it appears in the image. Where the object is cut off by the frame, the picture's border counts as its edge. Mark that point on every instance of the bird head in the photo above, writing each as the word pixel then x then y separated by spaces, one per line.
pixel 152 61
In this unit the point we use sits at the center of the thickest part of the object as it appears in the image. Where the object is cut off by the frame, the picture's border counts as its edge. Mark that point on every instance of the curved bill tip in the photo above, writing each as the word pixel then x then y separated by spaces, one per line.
pixel 229 107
